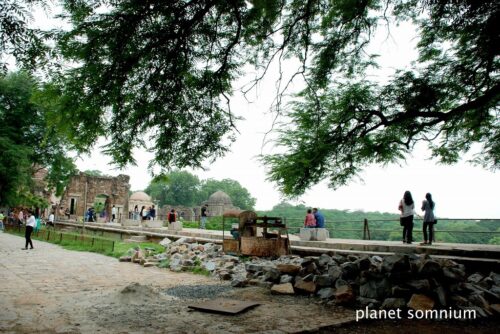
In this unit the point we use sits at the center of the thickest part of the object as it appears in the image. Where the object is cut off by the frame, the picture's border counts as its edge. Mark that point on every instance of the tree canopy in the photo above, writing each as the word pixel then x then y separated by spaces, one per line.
pixel 184 188
pixel 162 72
pixel 175 188
pixel 240 196
pixel 17 38
pixel 27 142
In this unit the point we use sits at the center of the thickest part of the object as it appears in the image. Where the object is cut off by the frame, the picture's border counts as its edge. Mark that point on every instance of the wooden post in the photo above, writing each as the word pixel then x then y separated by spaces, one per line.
pixel 366 230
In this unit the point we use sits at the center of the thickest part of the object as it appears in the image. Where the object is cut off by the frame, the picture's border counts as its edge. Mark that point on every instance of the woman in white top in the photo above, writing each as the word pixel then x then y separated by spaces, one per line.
pixel 30 225
pixel 407 208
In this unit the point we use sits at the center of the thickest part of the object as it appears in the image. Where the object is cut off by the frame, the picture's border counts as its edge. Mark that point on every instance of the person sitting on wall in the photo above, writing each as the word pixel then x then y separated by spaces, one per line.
pixel 51 219
pixel 144 213
pixel 309 221
pixel 152 213
pixel 320 219
pixel 172 216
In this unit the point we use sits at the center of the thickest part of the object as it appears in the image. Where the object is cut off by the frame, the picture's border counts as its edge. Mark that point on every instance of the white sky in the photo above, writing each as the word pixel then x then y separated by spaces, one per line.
pixel 460 191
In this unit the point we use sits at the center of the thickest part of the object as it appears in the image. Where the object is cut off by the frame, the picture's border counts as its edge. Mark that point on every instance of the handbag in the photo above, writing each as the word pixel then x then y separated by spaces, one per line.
pixel 401 221
pixel 435 221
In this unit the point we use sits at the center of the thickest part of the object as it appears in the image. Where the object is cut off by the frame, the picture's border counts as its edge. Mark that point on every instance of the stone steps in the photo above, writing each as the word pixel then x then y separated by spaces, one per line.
pixel 137 238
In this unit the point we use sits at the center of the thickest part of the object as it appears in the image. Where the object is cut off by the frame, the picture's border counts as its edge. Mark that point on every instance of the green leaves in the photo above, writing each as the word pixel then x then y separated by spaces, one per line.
pixel 28 141
pixel 158 75
pixel 183 188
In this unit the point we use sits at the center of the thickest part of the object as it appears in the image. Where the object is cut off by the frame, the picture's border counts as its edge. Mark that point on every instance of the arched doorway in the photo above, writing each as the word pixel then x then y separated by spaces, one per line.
pixel 102 207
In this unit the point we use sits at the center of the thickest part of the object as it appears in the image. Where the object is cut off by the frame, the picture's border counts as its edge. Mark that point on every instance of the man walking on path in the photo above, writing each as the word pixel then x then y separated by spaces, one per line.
pixel 30 225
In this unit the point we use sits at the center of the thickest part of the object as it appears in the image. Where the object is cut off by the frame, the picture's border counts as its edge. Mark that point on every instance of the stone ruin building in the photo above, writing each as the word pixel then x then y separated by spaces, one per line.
pixel 184 212
pixel 83 189
pixel 218 203
pixel 139 198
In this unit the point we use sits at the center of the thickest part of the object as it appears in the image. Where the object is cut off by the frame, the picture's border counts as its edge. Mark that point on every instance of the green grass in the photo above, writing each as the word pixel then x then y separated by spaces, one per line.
pixel 89 243
pixel 200 271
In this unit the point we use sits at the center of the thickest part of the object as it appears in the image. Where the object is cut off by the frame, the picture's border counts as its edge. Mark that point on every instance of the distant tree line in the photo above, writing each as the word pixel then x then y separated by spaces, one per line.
pixel 387 227
pixel 183 188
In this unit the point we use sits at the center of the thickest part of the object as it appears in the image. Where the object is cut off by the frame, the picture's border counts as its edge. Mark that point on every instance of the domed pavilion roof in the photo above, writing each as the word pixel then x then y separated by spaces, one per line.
pixel 140 196
pixel 219 197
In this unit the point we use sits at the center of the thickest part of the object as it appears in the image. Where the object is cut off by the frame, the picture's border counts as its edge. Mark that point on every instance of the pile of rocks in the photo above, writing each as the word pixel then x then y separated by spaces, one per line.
pixel 397 281
pixel 391 282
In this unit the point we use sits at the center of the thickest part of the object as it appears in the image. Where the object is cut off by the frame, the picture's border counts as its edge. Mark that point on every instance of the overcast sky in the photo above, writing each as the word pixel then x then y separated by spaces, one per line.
pixel 460 191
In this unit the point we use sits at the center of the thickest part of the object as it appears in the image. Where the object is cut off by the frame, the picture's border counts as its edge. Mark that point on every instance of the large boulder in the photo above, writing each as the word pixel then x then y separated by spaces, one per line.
pixel 479 301
pixel 165 242
pixel 282 289
pixel 334 272
pixel 286 279
pixel 323 280
pixel 311 268
pixel 344 294
pixel 441 295
pixel 430 269
pixel 375 289
pixel 350 270
pixel 324 260
pixel 326 293
pixel 396 263
pixel 495 277
pixel 419 284
pixel 421 302
pixel 364 263
pixel 251 267
pixel 393 303
pixel 290 269
pixel 271 274
pixel 454 274
pixel 305 286
pixel 475 278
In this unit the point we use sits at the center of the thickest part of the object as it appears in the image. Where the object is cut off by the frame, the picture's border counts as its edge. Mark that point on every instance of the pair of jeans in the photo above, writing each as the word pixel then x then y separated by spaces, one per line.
pixel 408 229
pixel 27 235
pixel 203 222
pixel 428 225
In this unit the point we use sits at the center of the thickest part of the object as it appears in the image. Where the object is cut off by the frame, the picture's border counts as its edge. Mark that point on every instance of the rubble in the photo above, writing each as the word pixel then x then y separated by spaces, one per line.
pixel 397 281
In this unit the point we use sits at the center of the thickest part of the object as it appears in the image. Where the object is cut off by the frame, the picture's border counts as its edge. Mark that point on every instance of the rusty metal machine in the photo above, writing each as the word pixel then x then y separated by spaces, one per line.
pixel 255 236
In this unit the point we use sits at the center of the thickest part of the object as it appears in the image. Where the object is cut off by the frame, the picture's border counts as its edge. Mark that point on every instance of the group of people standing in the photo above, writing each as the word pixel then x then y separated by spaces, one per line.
pixel 314 219
pixel 407 208
pixel 145 213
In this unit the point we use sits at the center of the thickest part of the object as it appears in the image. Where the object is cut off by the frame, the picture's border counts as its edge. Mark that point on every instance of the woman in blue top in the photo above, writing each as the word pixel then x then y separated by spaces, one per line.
pixel 429 218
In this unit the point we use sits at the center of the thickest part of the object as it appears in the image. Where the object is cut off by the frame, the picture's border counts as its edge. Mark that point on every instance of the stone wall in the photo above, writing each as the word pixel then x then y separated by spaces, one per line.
pixel 82 190
pixel 182 211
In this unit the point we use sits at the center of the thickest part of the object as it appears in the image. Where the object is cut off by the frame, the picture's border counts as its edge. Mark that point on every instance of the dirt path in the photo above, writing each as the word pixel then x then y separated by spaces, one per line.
pixel 52 290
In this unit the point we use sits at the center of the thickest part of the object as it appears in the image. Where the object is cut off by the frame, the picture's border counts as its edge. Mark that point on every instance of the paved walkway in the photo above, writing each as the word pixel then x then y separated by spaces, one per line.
pixel 53 290
pixel 40 288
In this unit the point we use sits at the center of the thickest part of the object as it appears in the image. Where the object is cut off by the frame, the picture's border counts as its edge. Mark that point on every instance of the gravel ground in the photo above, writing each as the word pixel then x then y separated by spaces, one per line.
pixel 198 291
